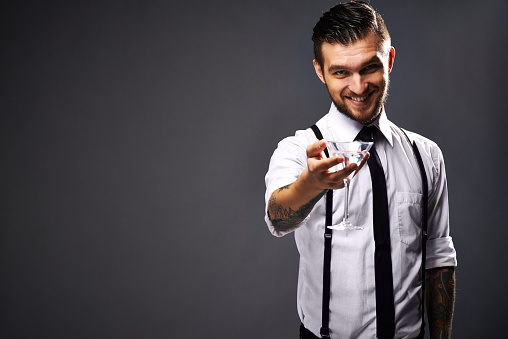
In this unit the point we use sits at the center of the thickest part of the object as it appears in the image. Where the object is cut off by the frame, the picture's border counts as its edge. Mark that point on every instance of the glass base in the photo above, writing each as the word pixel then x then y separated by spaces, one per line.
pixel 345 225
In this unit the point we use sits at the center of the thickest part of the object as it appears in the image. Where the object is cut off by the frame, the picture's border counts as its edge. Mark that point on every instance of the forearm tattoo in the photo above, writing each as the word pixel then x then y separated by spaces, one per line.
pixel 440 299
pixel 285 218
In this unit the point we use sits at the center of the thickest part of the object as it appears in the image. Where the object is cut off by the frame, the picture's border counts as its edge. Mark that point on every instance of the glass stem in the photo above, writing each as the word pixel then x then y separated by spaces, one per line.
pixel 346 203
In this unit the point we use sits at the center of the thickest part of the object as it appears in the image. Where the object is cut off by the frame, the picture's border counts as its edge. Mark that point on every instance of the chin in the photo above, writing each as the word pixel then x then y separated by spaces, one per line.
pixel 368 118
pixel 364 117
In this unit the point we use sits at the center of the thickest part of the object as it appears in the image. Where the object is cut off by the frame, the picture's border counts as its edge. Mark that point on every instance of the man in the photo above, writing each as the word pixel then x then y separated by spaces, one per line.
pixel 375 287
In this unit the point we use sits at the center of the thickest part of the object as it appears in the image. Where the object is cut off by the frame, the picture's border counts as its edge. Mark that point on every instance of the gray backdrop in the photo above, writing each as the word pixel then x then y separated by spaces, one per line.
pixel 135 140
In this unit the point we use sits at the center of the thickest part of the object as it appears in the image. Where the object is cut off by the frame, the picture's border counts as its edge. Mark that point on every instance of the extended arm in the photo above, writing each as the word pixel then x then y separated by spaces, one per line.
pixel 289 205
pixel 440 299
pixel 284 212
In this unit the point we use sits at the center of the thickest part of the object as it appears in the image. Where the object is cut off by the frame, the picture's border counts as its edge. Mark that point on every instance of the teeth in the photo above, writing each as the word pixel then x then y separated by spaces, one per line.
pixel 359 99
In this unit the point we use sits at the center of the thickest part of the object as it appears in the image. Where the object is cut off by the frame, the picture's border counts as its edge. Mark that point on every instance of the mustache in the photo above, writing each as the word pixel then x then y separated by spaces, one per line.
pixel 363 94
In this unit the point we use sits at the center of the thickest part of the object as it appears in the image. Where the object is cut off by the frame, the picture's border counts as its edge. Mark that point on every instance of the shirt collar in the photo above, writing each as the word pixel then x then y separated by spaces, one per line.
pixel 345 129
pixel 384 126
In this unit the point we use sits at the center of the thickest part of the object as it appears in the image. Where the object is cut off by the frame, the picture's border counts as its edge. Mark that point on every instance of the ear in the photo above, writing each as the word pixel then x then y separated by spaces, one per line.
pixel 319 71
pixel 391 58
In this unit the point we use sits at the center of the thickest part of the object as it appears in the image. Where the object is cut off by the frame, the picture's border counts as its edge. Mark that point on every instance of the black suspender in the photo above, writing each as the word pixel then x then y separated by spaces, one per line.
pixel 325 317
pixel 325 330
pixel 425 191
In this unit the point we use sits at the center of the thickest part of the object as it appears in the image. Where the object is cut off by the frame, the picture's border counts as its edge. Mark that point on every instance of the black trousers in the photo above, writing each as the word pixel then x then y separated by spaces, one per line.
pixel 306 334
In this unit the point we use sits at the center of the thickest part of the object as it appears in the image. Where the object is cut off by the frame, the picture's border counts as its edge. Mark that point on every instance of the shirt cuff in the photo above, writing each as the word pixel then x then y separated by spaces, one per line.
pixel 440 253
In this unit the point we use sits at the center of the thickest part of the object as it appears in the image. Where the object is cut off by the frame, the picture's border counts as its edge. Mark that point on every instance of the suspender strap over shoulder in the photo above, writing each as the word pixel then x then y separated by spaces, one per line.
pixel 318 134
pixel 425 191
pixel 325 317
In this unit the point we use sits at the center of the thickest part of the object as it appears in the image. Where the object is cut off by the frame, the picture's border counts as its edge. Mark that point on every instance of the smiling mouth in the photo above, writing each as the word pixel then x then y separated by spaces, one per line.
pixel 358 98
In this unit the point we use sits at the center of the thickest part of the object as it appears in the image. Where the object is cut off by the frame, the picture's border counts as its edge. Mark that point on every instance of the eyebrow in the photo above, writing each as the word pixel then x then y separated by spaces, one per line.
pixel 334 68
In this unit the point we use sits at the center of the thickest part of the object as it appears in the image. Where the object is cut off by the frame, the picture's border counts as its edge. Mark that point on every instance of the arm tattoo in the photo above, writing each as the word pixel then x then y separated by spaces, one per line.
pixel 285 218
pixel 440 298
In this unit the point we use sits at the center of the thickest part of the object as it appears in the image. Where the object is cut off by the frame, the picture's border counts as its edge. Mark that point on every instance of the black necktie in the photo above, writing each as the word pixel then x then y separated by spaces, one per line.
pixel 385 309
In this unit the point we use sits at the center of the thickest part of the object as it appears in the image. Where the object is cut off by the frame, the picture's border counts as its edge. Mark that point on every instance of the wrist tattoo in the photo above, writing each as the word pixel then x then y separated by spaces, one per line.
pixel 285 218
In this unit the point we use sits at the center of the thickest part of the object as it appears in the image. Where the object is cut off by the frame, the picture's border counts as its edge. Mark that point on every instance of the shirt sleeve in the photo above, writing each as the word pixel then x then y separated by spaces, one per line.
pixel 286 164
pixel 440 248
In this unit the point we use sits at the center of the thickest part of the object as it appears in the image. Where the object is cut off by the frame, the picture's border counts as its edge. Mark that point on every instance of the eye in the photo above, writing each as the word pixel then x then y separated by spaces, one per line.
pixel 340 73
pixel 371 68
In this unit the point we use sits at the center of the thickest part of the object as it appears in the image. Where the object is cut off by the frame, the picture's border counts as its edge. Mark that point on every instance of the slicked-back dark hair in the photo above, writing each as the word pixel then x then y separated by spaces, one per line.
pixel 347 23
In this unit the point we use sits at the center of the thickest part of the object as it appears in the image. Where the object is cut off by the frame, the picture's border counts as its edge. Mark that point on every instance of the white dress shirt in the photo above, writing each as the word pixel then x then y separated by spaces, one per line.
pixel 352 283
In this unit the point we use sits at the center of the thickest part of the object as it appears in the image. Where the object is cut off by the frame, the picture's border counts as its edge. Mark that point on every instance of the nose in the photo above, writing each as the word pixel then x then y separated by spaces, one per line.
pixel 358 84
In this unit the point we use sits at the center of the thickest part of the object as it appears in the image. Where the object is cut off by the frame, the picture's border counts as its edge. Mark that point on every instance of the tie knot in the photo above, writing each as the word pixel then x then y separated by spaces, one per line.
pixel 367 134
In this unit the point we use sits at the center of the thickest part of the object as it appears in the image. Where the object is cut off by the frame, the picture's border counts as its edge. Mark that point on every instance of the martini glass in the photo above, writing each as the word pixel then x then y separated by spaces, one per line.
pixel 353 152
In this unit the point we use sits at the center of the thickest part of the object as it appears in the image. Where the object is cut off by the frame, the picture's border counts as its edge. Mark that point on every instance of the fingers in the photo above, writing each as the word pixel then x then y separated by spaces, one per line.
pixel 318 167
pixel 319 171
pixel 314 150
pixel 315 160
pixel 335 180
pixel 363 162
pixel 323 165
